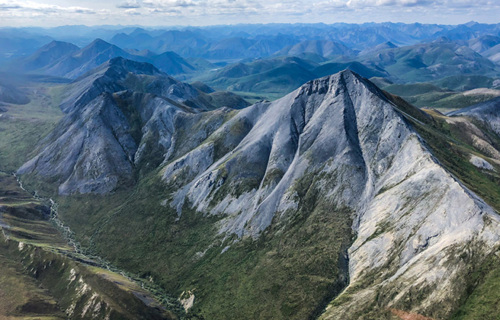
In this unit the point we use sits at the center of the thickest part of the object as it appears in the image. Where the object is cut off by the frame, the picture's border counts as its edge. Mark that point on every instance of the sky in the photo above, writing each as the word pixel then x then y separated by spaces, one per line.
pixel 49 13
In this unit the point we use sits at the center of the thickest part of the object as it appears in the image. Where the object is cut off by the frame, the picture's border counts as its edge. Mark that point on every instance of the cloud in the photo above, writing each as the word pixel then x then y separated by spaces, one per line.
pixel 132 12
pixel 172 3
pixel 35 7
pixel 129 5
pixel 154 12
pixel 6 6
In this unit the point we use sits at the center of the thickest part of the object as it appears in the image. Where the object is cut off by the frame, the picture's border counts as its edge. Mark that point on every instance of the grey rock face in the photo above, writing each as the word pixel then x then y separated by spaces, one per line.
pixel 412 218
pixel 88 152
pixel 340 127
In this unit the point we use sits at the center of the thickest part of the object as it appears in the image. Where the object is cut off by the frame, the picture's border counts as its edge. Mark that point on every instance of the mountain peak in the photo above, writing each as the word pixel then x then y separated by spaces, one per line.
pixel 343 80
pixel 132 66
pixel 99 44
pixel 58 45
pixel 389 44
pixel 99 41
pixel 441 40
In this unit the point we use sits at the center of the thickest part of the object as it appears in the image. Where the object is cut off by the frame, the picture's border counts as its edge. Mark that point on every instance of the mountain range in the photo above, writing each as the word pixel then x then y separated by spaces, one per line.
pixel 257 172
pixel 268 65
pixel 66 60
pixel 337 201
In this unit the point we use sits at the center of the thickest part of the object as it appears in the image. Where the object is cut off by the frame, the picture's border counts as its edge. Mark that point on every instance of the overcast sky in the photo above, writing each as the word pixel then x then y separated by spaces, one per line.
pixel 208 12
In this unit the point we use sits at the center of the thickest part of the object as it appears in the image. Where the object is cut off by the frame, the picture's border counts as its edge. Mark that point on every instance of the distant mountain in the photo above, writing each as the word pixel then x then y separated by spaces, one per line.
pixel 213 42
pixel 182 42
pixel 324 48
pixel 239 48
pixel 66 60
pixel 16 43
pixel 379 47
pixel 483 43
pixel 84 60
pixel 430 61
pixel 171 63
pixel 275 75
pixel 468 31
pixel 278 75
pixel 493 54
pixel 46 56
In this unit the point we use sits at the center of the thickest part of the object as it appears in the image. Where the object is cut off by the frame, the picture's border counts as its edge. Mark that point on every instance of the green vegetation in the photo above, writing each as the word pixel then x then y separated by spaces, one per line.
pixel 273 78
pixel 42 277
pixel 22 126
pixel 20 295
pixel 291 272
pixel 484 299
pixel 429 95
pixel 464 82
pixel 430 61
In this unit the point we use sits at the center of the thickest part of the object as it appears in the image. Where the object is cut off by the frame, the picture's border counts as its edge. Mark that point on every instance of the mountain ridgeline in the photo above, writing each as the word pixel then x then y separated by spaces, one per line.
pixel 337 201
pixel 266 63
pixel 113 115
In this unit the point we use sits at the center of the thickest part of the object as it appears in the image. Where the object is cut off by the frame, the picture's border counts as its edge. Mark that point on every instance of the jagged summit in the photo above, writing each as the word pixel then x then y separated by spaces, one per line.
pixel 346 79
pixel 119 66
pixel 120 74
pixel 340 141
pixel 96 47
pixel 325 119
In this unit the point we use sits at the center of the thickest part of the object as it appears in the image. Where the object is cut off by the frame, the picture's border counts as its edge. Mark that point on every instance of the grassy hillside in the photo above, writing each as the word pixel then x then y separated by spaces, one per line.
pixel 273 78
pixel 430 61
pixel 466 82
pixel 30 237
pixel 430 95
pixel 21 126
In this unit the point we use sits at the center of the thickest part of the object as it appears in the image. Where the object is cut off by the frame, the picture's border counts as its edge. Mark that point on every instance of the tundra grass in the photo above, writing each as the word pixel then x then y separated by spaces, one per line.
pixel 23 126
pixel 484 299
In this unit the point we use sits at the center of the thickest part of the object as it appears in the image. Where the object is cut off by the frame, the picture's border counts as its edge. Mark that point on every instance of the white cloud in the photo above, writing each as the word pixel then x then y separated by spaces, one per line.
pixel 199 12
pixel 32 6
pixel 129 5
